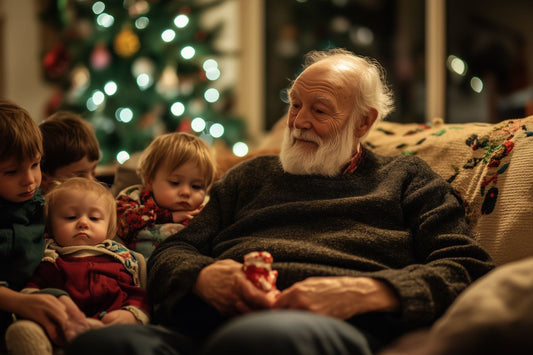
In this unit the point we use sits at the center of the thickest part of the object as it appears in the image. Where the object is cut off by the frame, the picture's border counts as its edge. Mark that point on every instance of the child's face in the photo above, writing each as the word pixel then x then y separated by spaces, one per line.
pixel 80 218
pixel 81 168
pixel 19 179
pixel 182 189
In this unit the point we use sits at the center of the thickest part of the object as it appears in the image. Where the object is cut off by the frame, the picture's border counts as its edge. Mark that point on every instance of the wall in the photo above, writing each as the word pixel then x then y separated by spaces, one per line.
pixel 21 76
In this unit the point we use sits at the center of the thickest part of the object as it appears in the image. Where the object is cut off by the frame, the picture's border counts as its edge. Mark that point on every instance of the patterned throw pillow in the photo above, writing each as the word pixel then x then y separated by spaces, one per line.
pixel 489 165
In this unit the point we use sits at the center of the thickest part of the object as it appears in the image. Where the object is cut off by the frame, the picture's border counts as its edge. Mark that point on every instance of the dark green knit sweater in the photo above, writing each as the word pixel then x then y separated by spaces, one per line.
pixel 393 219
pixel 21 244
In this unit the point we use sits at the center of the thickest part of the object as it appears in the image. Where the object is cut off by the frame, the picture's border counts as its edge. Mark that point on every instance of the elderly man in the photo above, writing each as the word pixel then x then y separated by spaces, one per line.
pixel 366 247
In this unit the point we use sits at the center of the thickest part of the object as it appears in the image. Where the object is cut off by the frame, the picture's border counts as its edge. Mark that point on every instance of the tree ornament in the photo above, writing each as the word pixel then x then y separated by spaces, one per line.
pixel 138 8
pixel 142 65
pixel 184 125
pixel 100 57
pixel 167 85
pixel 79 80
pixel 56 62
pixel 126 43
pixel 84 29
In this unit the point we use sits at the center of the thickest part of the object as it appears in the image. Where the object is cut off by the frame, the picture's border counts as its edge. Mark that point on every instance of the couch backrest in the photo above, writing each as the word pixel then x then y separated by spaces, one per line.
pixel 489 165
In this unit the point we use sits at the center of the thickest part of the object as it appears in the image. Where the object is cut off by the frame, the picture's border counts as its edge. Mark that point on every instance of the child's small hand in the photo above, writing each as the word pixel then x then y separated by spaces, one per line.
pixel 120 316
pixel 95 323
pixel 180 216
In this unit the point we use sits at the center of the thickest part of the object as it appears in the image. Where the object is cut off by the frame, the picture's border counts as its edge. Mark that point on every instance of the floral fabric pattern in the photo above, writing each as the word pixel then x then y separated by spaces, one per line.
pixel 142 225
pixel 490 168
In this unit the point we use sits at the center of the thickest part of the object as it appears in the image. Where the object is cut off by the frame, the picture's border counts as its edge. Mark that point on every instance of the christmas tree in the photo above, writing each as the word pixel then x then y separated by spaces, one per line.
pixel 138 68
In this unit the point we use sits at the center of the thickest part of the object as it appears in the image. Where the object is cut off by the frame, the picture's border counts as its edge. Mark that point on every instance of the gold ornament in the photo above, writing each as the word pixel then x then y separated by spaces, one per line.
pixel 126 43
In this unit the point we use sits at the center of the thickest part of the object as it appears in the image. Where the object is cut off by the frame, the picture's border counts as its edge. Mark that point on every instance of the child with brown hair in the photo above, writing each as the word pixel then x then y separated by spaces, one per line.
pixel 177 170
pixel 103 278
pixel 70 148
pixel 21 226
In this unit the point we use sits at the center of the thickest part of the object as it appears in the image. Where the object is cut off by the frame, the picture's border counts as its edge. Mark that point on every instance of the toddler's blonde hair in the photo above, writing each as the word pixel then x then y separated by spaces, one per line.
pixel 172 150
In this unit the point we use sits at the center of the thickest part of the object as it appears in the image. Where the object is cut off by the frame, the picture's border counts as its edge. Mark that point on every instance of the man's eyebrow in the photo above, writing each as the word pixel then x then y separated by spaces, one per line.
pixel 325 100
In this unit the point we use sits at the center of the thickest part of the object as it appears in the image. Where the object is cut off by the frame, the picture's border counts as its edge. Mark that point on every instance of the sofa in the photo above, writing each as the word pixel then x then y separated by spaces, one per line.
pixel 490 166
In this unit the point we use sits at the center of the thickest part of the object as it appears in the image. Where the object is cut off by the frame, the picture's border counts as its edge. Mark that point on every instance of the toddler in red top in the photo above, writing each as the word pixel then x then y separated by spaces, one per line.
pixel 103 278
pixel 177 169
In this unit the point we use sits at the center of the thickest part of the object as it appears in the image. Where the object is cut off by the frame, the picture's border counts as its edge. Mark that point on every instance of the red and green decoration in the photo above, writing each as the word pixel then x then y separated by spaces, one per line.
pixel 136 69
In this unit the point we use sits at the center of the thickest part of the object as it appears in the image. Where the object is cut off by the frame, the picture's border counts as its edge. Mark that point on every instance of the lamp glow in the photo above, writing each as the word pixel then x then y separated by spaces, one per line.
pixel 177 108
pixel 181 21
pixel 105 20
pixel 240 149
pixel 122 156
pixel 188 52
pixel 211 95
pixel 110 88
pixel 198 124
pixel 98 7
pixel 216 130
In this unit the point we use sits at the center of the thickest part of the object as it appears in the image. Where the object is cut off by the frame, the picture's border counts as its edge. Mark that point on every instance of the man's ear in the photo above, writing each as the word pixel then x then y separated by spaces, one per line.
pixel 364 124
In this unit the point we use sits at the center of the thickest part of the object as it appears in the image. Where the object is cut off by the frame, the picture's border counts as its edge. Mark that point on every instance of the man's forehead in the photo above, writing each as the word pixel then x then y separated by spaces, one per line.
pixel 322 86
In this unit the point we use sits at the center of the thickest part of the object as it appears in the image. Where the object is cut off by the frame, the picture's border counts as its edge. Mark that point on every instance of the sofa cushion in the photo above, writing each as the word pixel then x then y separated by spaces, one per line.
pixel 489 165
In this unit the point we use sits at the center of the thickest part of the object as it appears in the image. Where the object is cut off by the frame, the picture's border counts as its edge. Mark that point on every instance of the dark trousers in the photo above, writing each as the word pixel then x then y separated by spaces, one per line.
pixel 269 332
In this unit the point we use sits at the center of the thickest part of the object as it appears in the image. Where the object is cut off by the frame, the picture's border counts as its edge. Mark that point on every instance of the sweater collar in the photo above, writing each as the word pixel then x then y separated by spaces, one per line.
pixel 355 161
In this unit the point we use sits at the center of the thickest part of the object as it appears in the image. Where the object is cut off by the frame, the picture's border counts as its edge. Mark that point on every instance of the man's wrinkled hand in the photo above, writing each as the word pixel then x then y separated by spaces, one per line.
pixel 77 321
pixel 352 295
pixel 224 285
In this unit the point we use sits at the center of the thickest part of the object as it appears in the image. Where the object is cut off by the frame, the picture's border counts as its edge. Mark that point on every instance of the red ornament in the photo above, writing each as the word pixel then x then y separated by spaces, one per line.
pixel 184 126
pixel 202 76
pixel 54 103
pixel 56 62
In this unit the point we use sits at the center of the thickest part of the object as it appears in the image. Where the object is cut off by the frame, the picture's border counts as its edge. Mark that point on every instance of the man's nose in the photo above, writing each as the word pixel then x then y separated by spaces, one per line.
pixel 302 120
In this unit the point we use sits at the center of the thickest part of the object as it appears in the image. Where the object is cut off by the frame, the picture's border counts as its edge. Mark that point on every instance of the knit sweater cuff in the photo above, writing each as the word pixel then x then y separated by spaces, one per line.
pixel 416 303
pixel 138 314
pixel 50 291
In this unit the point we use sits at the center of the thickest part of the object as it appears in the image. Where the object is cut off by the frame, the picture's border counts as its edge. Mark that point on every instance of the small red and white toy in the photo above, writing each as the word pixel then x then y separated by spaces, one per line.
pixel 258 269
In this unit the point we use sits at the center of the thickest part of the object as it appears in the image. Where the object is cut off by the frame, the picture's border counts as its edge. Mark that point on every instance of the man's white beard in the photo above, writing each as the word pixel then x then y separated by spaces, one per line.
pixel 328 159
